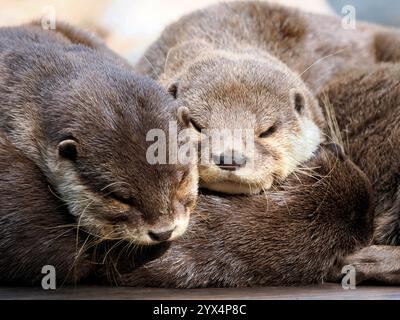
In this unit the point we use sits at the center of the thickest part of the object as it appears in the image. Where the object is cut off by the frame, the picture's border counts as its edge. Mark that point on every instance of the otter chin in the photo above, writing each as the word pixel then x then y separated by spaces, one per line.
pixel 145 236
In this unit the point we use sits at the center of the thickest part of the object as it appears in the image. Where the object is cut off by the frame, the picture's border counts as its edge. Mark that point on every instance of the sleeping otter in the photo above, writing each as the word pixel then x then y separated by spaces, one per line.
pixel 291 236
pixel 38 229
pixel 366 103
pixel 222 62
pixel 81 118
pixel 230 84
pixel 315 46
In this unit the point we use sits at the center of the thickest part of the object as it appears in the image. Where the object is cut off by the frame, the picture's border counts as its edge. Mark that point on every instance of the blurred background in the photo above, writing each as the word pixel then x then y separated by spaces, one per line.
pixel 129 26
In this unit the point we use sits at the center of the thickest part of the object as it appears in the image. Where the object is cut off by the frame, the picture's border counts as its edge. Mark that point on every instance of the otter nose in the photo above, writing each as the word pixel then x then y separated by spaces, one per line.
pixel 161 236
pixel 227 162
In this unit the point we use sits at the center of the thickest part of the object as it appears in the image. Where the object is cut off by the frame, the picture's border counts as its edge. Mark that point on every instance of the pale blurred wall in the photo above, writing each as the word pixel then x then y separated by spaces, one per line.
pixel 128 26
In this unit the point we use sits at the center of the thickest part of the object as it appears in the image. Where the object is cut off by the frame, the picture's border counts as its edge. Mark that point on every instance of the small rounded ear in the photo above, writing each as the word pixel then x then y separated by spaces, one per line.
pixel 67 149
pixel 298 100
pixel 173 90
pixel 184 116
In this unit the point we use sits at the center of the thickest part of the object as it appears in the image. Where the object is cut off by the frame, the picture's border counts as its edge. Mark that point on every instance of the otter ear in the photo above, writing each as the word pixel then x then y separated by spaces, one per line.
pixel 184 116
pixel 173 90
pixel 298 100
pixel 67 149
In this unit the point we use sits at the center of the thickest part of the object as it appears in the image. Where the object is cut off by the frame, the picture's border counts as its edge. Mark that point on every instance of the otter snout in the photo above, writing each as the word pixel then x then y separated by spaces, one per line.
pixel 168 226
pixel 161 236
pixel 163 233
pixel 225 161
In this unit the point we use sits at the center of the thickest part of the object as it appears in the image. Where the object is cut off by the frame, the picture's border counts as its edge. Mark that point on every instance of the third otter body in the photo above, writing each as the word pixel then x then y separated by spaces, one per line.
pixel 366 103
pixel 290 236
pixel 81 118
pixel 316 46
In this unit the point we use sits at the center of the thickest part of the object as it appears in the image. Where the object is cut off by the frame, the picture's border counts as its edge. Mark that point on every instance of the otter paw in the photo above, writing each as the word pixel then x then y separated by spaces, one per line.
pixel 376 263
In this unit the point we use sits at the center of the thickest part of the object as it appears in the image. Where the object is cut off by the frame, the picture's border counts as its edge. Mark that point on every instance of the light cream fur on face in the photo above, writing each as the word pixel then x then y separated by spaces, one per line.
pixel 252 180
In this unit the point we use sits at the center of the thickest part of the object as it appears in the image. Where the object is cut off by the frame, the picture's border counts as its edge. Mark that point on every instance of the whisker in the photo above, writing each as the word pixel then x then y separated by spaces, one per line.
pixel 114 183
pixel 151 65
pixel 322 59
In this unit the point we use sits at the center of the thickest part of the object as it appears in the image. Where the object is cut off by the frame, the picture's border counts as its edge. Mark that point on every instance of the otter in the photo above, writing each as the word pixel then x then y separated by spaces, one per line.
pixel 291 236
pixel 38 230
pixel 313 45
pixel 222 62
pixel 230 84
pixel 366 104
pixel 81 117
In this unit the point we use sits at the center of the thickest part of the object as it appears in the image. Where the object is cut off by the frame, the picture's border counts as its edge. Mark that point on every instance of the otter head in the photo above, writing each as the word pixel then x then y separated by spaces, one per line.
pixel 266 118
pixel 98 161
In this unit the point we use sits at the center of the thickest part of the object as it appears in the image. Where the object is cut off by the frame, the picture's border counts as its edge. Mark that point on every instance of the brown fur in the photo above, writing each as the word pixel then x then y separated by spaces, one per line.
pixel 290 236
pixel 298 38
pixel 54 92
pixel 36 227
pixel 367 107
pixel 69 34
pixel 387 46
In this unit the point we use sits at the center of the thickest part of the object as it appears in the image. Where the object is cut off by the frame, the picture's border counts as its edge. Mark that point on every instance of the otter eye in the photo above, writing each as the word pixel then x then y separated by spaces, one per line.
pixel 268 132
pixel 125 200
pixel 173 90
pixel 195 125
pixel 67 149
pixel 189 201
pixel 299 102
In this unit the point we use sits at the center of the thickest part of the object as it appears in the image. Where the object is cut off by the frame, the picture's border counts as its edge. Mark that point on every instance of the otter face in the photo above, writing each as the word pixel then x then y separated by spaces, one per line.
pixel 97 162
pixel 264 113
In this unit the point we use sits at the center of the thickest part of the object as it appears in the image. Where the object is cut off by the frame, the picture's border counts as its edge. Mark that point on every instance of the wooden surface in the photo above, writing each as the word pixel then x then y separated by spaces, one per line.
pixel 327 291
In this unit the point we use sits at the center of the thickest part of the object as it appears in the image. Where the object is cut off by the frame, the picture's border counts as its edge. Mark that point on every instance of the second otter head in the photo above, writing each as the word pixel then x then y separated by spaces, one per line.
pixel 97 157
pixel 262 113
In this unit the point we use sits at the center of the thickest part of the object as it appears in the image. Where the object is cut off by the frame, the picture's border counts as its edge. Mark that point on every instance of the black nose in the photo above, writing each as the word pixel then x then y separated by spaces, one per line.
pixel 227 162
pixel 160 236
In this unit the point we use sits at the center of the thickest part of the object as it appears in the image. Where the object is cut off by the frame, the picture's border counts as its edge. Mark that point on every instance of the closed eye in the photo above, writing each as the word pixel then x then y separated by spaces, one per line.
pixel 125 200
pixel 195 125
pixel 268 132
pixel 189 201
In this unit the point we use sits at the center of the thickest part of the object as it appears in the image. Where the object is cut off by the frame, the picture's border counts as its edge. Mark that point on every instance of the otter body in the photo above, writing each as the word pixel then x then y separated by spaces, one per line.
pixel 291 236
pixel 315 46
pixel 79 118
pixel 366 103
